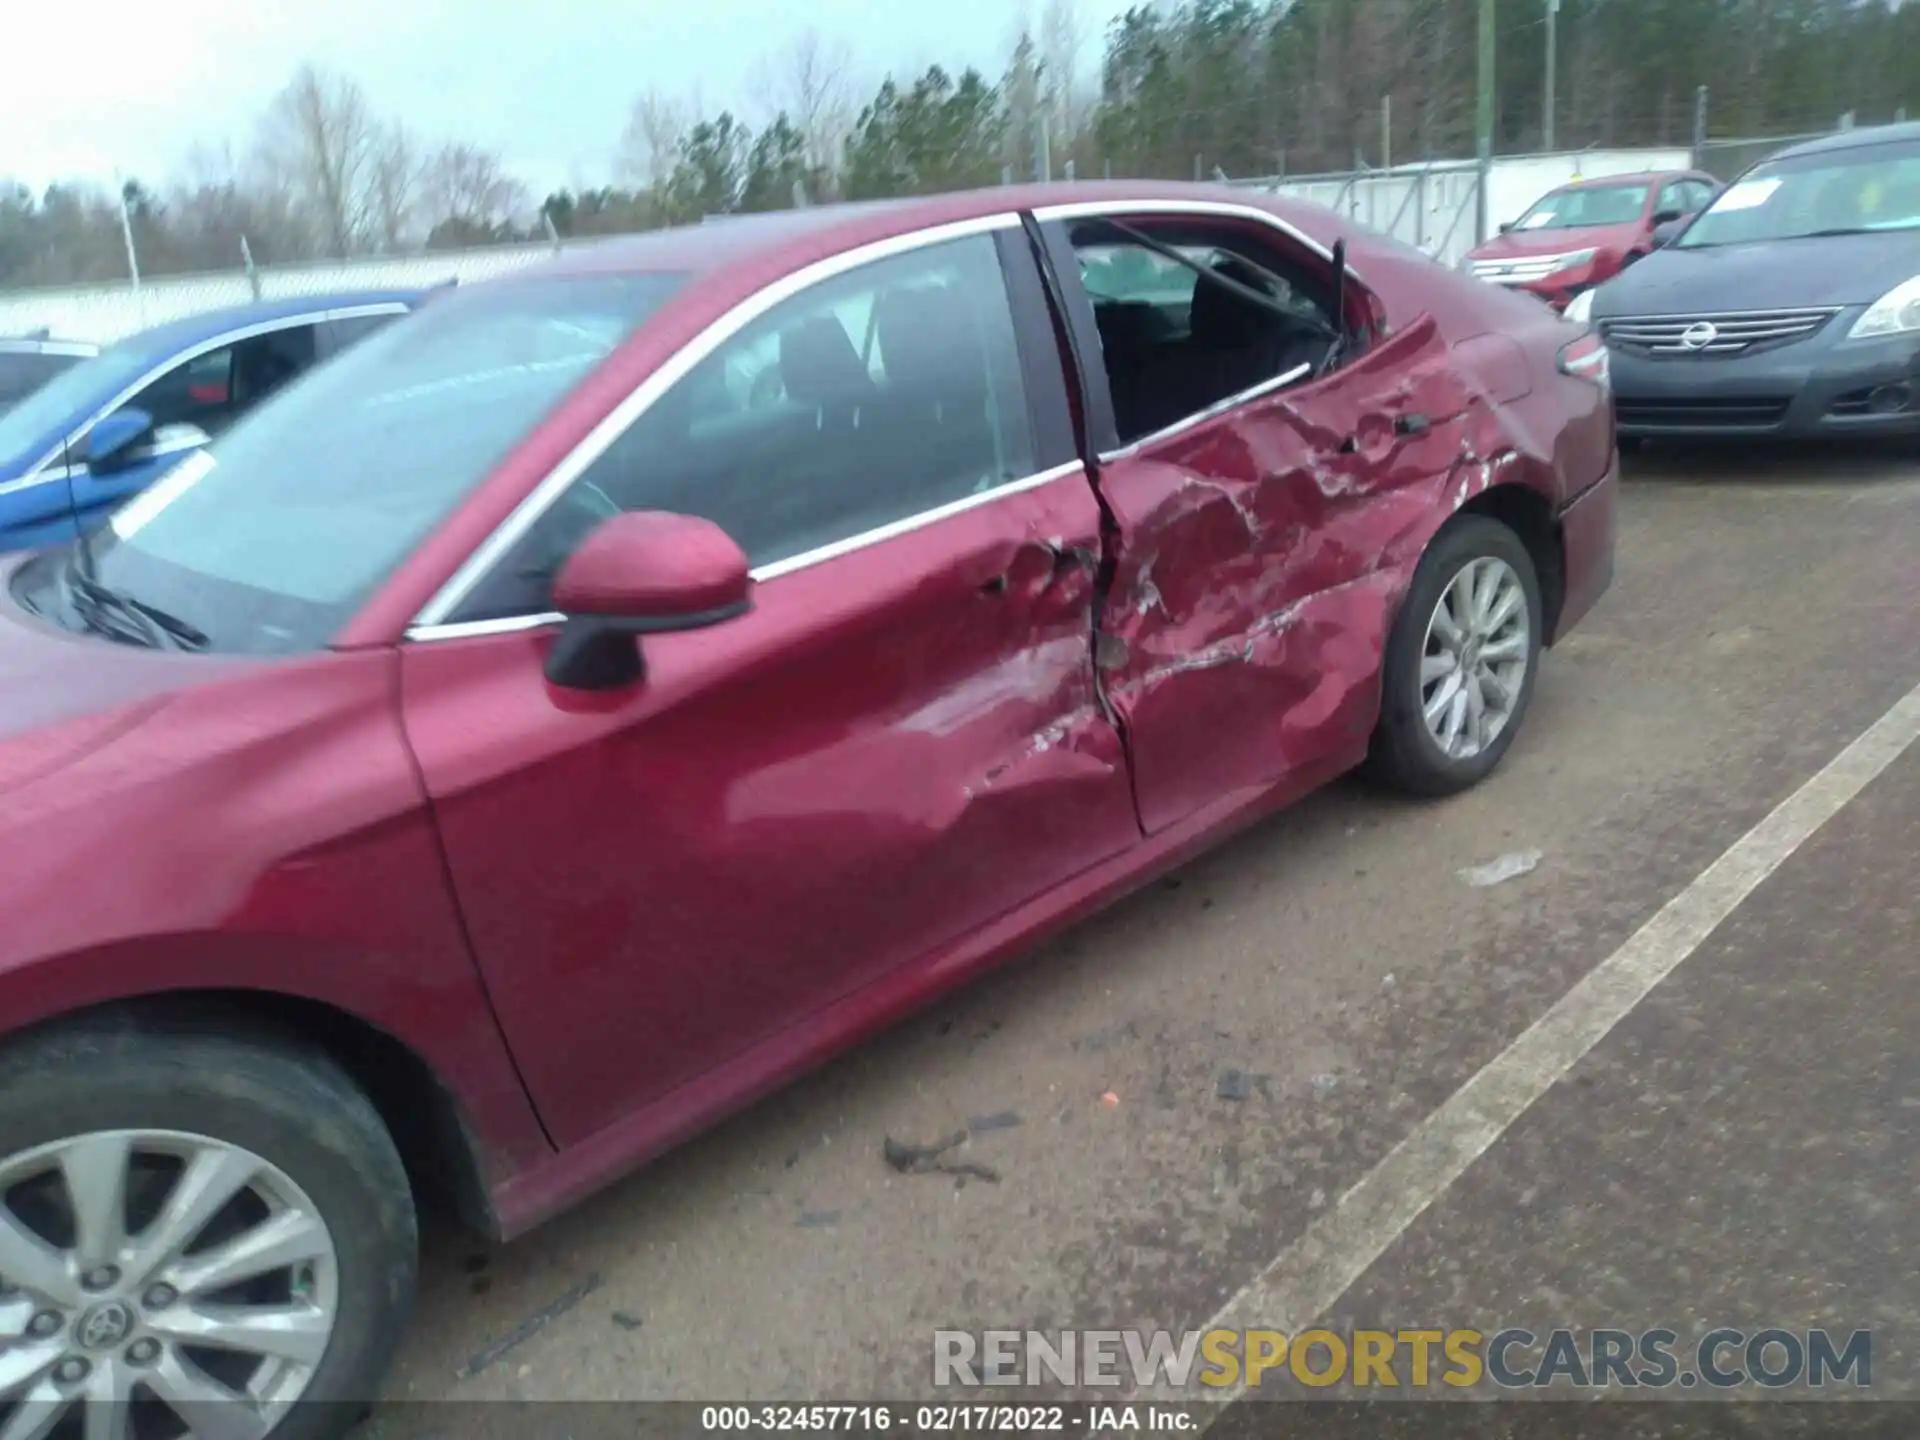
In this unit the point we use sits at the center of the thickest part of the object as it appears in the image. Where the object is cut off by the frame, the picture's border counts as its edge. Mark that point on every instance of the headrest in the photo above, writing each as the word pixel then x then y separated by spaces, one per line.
pixel 928 340
pixel 1221 318
pixel 819 366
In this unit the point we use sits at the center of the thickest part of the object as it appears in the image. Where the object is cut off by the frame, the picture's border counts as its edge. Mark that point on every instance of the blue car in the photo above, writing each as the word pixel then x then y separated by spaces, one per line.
pixel 101 430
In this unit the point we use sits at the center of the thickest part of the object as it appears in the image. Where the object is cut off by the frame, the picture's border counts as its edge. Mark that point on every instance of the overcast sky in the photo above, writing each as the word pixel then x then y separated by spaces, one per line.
pixel 92 88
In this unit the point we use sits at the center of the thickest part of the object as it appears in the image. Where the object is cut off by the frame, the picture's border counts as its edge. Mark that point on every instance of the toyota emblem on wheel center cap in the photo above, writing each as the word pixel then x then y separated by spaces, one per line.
pixel 104 1326
pixel 1699 335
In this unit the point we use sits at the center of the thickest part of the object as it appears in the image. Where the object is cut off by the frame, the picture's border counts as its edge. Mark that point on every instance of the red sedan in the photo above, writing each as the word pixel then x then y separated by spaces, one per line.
pixel 602 695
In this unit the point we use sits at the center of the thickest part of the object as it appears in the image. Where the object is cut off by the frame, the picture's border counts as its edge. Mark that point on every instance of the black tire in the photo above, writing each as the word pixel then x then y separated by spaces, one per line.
pixel 1403 753
pixel 287 1104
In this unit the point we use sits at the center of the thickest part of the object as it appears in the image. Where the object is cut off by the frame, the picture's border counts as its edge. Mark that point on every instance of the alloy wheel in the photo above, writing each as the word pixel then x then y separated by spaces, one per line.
pixel 156 1285
pixel 1473 666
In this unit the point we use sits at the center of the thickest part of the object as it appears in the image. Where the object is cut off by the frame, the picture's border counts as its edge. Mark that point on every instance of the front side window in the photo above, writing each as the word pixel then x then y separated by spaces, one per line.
pixel 1832 192
pixel 1588 205
pixel 270 539
pixel 870 398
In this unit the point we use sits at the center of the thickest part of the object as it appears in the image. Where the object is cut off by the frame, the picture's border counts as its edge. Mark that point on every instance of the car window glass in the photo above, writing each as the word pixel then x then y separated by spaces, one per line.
pixel 1673 196
pixel 1175 344
pixel 271 538
pixel 872 397
pixel 349 329
pixel 23 372
pixel 1864 187
pixel 1588 205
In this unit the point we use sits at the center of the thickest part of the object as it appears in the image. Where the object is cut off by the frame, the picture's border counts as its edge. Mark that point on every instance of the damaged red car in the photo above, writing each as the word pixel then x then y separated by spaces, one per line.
pixel 607 692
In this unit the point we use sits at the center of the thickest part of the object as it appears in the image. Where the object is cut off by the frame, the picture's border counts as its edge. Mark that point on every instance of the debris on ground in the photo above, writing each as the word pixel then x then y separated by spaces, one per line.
pixel 626 1321
pixel 1110 1100
pixel 999 1120
pixel 817 1219
pixel 1508 867
pixel 1238 1084
pixel 527 1329
pixel 930 1159
pixel 1324 1084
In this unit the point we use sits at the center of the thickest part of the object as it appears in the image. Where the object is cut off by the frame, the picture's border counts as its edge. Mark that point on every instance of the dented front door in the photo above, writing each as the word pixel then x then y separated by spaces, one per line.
pixel 1261 553
pixel 898 745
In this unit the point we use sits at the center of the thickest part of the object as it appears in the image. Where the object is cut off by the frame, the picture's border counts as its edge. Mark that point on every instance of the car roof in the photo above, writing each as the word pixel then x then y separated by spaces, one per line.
pixel 731 240
pixel 47 345
pixel 205 324
pixel 1851 140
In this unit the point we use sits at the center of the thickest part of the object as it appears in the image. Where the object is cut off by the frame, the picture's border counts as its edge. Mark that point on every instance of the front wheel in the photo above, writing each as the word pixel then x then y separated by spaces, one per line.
pixel 200 1236
pixel 1460 663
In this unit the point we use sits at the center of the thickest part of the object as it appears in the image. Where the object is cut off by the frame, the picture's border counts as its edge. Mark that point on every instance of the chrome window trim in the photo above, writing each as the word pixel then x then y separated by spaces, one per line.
pixel 194 352
pixel 455 590
pixel 773 570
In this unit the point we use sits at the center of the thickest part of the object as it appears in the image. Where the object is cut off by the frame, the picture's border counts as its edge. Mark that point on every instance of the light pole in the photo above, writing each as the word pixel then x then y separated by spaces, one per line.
pixel 1553 12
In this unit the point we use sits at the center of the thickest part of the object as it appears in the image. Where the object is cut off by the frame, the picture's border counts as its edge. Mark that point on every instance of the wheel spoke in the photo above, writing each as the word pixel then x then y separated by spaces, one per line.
pixel 1506 602
pixel 289 1332
pixel 1437 706
pixel 211 1179
pixel 32 1264
pixel 109 1392
pixel 211 1411
pixel 1437 667
pixel 15 1314
pixel 21 1364
pixel 1486 586
pixel 288 1238
pixel 95 1170
pixel 1496 689
pixel 1456 719
pixel 1514 647
pixel 37 1413
pixel 1476 713
pixel 1459 603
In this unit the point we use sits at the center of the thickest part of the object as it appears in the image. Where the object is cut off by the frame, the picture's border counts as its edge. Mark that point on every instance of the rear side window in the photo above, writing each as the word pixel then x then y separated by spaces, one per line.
pixel 870 398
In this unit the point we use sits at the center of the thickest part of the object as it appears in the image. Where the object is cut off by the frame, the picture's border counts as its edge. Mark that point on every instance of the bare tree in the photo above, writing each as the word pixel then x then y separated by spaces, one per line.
pixel 320 133
pixel 466 191
pixel 1061 42
pixel 811 82
pixel 656 125
pixel 393 187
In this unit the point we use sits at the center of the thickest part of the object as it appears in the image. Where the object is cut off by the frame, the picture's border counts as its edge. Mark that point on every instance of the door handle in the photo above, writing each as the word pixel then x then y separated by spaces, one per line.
pixel 1059 557
pixel 1409 424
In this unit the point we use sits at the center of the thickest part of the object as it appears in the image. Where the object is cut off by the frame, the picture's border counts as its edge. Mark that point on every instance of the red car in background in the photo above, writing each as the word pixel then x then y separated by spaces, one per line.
pixel 1582 235
pixel 603 694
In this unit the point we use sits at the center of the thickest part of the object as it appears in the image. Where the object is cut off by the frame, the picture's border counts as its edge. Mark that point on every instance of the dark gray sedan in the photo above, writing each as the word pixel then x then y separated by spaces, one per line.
pixel 1788 307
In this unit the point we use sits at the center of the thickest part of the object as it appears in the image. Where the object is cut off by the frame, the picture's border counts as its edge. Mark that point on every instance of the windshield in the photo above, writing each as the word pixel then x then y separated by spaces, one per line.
pixel 24 371
pixel 1587 205
pixel 1869 187
pixel 270 539
pixel 67 399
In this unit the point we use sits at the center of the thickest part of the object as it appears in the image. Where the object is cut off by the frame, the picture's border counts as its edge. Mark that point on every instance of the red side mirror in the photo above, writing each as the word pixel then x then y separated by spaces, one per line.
pixel 641 573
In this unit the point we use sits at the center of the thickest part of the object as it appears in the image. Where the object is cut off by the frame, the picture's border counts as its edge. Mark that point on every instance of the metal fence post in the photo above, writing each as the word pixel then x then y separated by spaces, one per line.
pixel 253 271
pixel 1700 128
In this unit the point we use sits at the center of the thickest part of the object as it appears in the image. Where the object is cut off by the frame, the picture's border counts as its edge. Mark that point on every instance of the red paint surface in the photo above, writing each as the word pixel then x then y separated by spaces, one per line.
pixel 648 564
pixel 652 904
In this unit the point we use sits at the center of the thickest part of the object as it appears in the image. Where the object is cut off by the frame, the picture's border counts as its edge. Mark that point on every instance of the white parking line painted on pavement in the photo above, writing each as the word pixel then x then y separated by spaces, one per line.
pixel 1304 1280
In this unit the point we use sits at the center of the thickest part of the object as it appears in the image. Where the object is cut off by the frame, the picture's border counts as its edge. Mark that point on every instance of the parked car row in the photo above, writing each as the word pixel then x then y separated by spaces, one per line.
pixel 574 709
pixel 1786 307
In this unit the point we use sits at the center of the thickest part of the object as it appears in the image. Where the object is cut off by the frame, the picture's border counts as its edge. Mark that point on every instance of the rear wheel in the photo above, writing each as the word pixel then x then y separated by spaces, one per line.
pixel 1460 663
pixel 200 1236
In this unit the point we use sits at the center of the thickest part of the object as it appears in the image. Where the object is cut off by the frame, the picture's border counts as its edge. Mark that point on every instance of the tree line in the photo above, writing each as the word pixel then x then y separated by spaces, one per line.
pixel 1177 89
